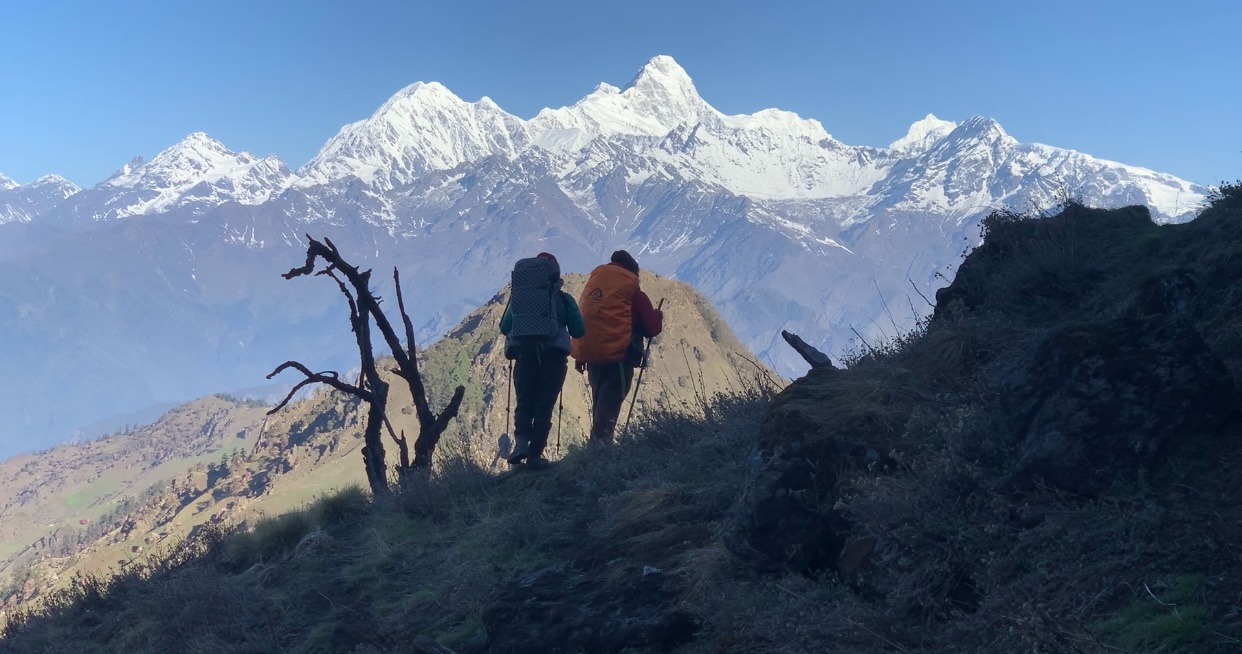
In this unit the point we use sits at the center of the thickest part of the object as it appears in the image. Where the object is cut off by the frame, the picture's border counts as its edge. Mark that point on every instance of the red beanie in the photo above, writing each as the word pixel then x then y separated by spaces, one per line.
pixel 547 255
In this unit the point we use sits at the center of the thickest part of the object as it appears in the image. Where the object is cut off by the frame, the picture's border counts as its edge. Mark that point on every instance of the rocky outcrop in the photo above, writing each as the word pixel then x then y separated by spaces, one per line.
pixel 816 433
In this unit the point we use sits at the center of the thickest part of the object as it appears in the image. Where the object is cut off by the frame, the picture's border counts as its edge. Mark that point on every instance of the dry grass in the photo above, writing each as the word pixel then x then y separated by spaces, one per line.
pixel 350 572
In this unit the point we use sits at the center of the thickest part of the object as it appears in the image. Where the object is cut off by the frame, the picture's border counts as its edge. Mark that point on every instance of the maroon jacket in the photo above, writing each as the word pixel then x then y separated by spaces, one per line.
pixel 648 322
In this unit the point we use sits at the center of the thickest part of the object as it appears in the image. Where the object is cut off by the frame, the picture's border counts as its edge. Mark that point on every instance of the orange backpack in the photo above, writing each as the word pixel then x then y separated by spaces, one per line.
pixel 605 306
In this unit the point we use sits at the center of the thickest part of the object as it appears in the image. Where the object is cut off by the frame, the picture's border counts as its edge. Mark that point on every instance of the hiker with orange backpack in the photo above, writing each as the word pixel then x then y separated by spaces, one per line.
pixel 538 322
pixel 618 316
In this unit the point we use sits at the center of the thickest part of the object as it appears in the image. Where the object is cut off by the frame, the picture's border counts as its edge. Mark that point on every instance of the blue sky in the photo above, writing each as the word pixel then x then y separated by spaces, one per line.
pixel 87 85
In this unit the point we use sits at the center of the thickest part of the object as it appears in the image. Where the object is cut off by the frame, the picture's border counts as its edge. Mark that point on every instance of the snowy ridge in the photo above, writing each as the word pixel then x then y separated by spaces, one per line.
pixel 659 99
pixel 655 127
pixel 6 183
pixel 659 125
pixel 659 114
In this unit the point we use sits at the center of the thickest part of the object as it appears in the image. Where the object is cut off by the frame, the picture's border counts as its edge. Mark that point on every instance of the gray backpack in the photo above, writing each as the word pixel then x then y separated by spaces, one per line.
pixel 534 302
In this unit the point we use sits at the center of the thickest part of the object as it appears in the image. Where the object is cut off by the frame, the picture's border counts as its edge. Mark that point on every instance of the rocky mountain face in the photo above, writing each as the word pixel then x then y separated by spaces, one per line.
pixel 160 283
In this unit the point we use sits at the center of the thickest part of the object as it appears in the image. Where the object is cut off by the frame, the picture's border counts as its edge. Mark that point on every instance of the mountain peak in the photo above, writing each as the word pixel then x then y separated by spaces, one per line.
pixel 975 132
pixel 432 94
pixel 23 203
pixel 199 137
pixel 983 126
pixel 55 180
pixel 197 171
pixel 923 133
pixel 663 72
pixel 126 169
pixel 604 88
pixel 662 92
pixel 418 102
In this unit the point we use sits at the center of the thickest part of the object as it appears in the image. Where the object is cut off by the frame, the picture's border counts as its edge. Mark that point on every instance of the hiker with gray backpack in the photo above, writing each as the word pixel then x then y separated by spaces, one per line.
pixel 538 323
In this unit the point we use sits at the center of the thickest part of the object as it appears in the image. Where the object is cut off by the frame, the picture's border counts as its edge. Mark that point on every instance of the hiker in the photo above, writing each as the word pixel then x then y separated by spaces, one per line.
pixel 538 323
pixel 618 316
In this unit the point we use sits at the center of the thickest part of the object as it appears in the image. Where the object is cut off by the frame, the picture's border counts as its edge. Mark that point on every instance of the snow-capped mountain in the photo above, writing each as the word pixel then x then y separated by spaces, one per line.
pixel 423 128
pixel 199 173
pixel 977 166
pixel 173 264
pixel 20 203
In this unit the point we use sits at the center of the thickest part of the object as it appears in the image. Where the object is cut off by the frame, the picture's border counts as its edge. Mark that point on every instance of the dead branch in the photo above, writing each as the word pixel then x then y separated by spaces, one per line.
pixel 916 290
pixel 371 388
pixel 328 377
pixel 430 426
pixel 807 351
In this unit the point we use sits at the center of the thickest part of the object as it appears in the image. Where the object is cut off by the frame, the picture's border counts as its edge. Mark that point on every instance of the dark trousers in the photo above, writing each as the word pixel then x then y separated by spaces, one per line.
pixel 610 383
pixel 537 379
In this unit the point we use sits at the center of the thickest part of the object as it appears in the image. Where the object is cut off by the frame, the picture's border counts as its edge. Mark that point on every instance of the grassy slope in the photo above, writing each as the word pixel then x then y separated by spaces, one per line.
pixel 346 573
pixel 50 493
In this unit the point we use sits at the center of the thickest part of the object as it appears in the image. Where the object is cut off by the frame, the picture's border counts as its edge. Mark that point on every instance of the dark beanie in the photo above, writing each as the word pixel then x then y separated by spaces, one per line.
pixel 623 259
pixel 549 257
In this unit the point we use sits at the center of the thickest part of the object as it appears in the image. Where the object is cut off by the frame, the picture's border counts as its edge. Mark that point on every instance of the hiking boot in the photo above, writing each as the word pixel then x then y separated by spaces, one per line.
pixel 519 453
pixel 536 462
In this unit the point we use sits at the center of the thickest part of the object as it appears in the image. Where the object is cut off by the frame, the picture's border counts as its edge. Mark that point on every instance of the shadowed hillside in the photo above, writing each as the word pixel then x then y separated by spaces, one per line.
pixel 1051 464
pixel 217 462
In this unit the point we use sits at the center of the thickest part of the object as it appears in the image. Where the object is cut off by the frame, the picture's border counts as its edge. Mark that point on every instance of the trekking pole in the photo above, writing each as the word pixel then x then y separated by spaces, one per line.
pixel 509 404
pixel 560 398
pixel 641 369
pixel 590 407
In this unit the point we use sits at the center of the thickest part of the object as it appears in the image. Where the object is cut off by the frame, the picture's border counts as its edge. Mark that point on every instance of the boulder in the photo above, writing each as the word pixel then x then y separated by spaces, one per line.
pixel 785 518
pixel 818 429
pixel 1170 293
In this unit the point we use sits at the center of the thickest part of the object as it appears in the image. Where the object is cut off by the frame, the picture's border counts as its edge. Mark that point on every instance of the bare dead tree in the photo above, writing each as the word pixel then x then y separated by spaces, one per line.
pixel 371 388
